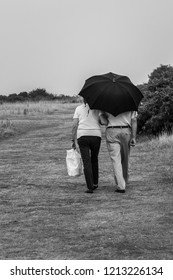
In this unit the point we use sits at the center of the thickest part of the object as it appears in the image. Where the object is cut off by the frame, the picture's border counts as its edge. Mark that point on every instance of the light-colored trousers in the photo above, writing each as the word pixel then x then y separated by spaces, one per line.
pixel 118 144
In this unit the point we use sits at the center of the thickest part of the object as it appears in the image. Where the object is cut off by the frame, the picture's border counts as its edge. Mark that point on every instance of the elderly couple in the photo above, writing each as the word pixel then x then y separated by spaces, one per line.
pixel 120 135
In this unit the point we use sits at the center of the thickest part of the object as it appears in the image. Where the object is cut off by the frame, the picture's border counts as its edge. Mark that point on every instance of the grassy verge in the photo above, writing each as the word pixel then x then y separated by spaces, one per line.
pixel 44 214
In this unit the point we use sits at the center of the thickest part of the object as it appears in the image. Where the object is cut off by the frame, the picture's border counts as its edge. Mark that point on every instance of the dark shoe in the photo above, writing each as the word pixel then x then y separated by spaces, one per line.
pixel 120 191
pixel 89 191
pixel 95 187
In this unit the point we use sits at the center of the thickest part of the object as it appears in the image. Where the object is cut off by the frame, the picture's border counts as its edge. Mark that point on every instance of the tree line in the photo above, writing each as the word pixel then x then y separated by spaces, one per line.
pixel 37 95
pixel 155 113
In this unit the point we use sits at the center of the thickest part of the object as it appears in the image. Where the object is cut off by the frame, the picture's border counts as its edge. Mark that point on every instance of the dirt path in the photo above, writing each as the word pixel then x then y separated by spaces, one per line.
pixel 44 214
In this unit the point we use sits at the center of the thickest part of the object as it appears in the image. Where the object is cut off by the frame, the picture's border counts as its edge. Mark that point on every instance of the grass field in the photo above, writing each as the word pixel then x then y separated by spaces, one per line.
pixel 45 214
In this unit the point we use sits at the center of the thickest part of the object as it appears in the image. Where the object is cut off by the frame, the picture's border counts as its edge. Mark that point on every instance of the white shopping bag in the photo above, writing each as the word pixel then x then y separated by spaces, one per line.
pixel 74 163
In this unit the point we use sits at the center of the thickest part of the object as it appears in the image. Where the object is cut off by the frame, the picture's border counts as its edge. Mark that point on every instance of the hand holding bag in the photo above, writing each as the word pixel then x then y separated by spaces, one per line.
pixel 73 163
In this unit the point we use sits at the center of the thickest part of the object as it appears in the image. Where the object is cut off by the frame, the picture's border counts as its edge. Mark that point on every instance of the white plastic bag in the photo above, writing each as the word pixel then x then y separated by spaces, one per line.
pixel 74 163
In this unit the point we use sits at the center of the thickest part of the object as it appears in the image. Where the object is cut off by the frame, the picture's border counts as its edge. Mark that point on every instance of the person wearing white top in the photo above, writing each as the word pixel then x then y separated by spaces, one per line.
pixel 120 135
pixel 86 132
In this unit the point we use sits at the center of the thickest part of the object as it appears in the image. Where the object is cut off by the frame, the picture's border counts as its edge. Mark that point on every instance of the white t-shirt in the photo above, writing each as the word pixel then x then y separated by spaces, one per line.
pixel 88 121
pixel 122 119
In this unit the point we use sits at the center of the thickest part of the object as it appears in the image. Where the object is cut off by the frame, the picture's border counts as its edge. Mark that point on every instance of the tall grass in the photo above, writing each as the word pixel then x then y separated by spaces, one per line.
pixel 163 141
pixel 33 108
pixel 18 117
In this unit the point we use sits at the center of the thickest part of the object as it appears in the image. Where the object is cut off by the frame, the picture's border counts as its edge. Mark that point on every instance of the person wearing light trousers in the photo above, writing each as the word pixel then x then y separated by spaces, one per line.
pixel 120 135
pixel 86 132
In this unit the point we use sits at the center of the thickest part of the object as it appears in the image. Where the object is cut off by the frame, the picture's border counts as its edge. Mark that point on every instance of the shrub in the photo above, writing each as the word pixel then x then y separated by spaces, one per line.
pixel 156 113
pixel 7 128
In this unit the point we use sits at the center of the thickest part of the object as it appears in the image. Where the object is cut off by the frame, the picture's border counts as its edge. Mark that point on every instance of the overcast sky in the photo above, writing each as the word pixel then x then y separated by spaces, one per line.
pixel 57 44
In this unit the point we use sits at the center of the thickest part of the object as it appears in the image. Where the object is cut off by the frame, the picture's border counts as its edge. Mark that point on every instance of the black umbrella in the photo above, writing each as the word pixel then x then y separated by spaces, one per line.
pixel 111 93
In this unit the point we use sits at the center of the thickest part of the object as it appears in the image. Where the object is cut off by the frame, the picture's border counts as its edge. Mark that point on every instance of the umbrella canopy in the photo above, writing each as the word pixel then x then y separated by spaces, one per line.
pixel 111 93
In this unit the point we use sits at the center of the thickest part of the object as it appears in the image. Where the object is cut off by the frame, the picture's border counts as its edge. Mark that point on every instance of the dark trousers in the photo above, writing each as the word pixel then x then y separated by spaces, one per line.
pixel 89 148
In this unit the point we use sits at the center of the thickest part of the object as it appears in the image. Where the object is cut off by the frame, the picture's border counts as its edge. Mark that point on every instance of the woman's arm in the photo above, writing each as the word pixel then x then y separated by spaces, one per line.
pixel 74 132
